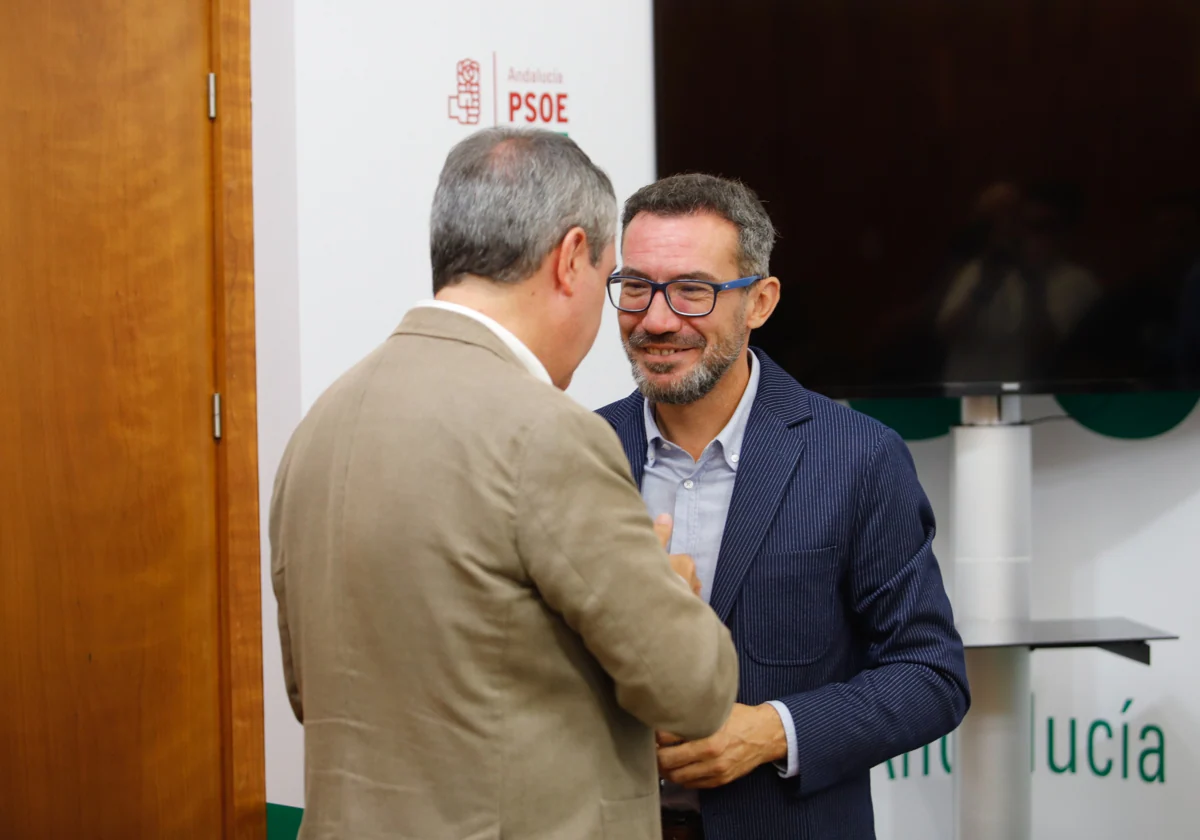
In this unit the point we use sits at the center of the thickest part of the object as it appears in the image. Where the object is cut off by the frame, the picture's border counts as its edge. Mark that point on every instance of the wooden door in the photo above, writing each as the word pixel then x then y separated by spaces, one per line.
pixel 114 688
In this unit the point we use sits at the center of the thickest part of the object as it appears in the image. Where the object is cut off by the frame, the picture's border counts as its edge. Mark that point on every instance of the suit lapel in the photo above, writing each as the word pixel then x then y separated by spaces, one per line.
pixel 634 442
pixel 770 453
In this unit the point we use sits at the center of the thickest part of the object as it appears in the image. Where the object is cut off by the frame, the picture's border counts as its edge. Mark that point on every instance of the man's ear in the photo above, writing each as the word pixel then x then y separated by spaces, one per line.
pixel 764 297
pixel 574 256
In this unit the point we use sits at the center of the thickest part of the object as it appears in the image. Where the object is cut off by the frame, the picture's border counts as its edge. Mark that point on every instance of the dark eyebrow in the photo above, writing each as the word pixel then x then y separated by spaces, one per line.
pixel 630 271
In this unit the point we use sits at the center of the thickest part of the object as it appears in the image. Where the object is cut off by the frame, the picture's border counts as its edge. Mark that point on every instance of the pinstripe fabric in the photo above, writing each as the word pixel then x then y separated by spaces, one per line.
pixel 827 579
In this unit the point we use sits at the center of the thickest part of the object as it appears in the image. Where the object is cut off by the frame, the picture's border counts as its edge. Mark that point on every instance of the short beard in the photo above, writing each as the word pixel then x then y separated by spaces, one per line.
pixel 715 362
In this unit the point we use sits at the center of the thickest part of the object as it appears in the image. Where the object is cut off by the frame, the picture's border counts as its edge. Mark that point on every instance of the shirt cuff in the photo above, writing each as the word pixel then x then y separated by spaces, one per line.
pixel 791 767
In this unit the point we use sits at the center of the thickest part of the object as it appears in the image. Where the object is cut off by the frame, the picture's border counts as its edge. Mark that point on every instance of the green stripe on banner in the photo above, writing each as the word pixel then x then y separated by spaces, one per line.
pixel 1130 416
pixel 913 419
pixel 283 822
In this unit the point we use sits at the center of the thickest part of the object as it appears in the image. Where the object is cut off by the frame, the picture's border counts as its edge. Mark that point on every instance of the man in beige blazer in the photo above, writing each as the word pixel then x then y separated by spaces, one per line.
pixel 480 628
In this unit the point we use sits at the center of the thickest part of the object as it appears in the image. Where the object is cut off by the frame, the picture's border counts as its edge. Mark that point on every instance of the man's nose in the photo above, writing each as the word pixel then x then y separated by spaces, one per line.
pixel 660 318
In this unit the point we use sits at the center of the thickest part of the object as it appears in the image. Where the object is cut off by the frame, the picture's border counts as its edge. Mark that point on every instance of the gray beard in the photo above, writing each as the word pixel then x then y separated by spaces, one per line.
pixel 715 362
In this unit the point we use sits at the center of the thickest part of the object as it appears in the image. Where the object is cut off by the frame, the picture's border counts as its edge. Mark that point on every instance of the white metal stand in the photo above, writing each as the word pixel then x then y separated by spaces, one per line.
pixel 991 490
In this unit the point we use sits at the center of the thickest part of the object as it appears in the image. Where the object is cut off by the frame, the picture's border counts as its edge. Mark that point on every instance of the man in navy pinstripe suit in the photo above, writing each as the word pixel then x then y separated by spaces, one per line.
pixel 811 535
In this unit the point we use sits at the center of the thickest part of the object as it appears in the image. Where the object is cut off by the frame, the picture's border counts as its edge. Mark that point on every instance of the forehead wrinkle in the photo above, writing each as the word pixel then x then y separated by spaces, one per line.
pixel 672 243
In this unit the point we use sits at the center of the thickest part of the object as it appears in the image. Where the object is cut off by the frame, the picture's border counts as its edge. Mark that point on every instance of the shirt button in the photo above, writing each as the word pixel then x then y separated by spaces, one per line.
pixel 733 457
pixel 689 484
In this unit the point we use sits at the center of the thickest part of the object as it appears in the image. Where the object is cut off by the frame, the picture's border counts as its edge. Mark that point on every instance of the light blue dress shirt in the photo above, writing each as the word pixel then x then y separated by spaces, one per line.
pixel 697 493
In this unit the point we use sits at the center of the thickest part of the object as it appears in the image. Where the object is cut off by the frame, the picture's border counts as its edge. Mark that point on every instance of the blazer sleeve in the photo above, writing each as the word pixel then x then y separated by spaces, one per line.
pixel 588 545
pixel 279 585
pixel 913 689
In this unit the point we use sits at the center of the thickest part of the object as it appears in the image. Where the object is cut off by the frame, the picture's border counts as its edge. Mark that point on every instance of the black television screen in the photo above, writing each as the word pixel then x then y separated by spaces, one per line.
pixel 972 197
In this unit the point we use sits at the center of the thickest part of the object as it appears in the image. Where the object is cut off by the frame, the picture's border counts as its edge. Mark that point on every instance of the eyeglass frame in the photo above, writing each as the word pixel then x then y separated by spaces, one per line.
pixel 655 288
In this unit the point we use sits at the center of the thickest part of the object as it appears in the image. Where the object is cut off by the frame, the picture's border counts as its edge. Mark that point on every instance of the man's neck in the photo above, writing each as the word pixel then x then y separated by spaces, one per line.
pixel 504 305
pixel 694 426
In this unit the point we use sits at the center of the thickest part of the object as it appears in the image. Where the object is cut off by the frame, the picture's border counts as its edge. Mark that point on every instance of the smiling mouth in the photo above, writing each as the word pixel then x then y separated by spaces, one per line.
pixel 660 352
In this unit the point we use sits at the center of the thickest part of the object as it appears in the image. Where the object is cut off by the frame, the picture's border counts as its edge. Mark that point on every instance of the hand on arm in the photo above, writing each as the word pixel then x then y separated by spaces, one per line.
pixel 753 736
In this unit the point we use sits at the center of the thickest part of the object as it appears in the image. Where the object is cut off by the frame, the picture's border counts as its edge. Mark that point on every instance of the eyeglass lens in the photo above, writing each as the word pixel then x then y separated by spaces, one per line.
pixel 684 297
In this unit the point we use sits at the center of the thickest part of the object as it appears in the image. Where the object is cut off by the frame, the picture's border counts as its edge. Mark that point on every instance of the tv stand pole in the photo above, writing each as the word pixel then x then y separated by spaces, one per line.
pixel 991 490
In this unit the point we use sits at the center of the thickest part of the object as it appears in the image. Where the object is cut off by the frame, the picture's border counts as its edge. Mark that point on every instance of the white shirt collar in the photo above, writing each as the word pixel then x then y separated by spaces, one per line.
pixel 729 439
pixel 526 356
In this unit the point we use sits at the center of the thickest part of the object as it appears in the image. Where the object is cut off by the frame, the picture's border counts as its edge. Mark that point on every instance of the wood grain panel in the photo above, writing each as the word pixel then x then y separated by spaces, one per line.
pixel 109 671
pixel 241 597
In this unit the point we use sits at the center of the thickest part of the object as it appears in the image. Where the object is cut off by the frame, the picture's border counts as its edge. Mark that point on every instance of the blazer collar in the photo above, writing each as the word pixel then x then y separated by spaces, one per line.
pixel 627 419
pixel 780 398
pixel 779 395
pixel 440 323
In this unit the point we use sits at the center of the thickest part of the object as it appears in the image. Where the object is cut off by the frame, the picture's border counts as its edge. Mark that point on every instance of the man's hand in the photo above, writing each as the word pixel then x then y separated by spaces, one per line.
pixel 681 563
pixel 686 569
pixel 753 735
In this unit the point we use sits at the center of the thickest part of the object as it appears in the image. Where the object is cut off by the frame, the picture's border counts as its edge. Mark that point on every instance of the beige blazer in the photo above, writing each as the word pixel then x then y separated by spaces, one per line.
pixel 479 628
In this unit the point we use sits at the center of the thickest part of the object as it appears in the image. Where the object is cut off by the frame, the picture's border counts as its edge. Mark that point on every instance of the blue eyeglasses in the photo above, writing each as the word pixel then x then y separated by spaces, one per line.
pixel 687 298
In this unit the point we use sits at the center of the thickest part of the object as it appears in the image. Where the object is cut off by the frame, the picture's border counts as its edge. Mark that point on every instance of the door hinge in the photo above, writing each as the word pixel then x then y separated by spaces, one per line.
pixel 212 96
pixel 217 416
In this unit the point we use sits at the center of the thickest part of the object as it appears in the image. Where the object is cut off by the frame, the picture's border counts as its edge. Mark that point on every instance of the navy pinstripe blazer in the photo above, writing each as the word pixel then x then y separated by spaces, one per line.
pixel 827 579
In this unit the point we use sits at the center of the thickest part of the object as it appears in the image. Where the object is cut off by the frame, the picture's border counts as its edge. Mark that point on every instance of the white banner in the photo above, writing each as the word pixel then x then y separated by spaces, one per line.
pixel 357 103
pixel 383 90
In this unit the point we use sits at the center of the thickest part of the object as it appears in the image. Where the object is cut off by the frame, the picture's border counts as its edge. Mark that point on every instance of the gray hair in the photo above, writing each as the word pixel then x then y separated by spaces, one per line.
pixel 687 195
pixel 507 196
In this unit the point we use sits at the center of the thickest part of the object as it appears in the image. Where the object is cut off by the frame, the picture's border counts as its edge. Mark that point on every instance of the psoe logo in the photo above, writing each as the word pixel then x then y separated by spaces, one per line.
pixel 533 95
pixel 466 104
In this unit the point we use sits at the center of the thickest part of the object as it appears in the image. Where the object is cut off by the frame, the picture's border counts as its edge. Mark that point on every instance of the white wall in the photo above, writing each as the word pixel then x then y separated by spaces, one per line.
pixel 351 127
pixel 277 334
